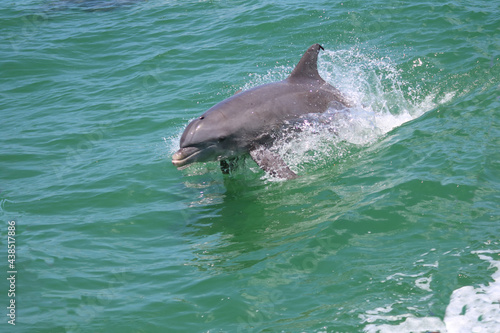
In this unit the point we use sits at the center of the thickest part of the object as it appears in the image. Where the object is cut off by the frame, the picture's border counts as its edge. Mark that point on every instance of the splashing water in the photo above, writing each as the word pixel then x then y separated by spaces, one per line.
pixel 382 101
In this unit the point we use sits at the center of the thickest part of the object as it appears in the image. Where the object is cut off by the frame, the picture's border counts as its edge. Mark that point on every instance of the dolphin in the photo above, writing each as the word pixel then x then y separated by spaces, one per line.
pixel 250 122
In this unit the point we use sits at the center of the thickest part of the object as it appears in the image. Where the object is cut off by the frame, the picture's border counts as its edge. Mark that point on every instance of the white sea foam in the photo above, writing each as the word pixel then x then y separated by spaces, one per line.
pixel 476 309
pixel 471 309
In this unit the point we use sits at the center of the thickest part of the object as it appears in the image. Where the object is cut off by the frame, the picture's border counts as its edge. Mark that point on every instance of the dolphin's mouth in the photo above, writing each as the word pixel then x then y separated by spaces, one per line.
pixel 185 156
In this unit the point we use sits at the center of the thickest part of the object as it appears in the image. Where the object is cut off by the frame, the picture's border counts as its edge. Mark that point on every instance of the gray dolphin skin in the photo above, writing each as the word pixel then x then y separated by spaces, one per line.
pixel 250 121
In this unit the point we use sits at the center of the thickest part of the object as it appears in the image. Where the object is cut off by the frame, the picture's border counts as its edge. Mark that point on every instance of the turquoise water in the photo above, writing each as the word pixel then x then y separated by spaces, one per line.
pixel 393 225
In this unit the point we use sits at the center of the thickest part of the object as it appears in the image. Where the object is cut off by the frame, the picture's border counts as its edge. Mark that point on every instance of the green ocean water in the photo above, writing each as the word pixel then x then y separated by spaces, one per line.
pixel 393 226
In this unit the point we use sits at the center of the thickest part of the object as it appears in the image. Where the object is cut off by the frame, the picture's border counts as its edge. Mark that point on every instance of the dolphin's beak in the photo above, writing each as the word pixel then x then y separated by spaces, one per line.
pixel 185 156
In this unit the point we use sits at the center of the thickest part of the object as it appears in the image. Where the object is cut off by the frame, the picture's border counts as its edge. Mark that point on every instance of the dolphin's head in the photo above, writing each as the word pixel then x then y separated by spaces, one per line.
pixel 207 138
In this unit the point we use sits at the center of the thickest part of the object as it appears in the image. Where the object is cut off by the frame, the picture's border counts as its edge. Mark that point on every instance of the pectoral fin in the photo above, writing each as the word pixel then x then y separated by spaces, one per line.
pixel 272 163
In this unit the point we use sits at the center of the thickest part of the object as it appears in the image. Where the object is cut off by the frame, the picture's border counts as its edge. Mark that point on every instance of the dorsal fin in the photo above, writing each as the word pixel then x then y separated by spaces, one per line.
pixel 308 65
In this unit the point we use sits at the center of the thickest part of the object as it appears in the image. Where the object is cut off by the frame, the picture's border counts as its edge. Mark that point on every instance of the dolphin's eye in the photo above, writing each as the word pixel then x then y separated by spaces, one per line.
pixel 201 118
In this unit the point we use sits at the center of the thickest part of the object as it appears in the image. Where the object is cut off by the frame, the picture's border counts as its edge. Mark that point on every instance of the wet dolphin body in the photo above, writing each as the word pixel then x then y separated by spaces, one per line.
pixel 249 121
